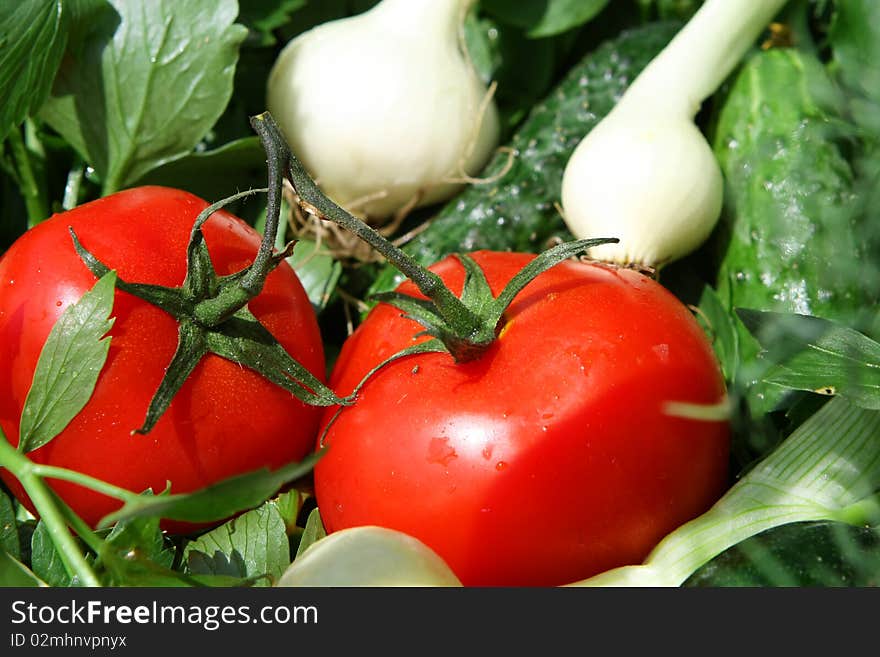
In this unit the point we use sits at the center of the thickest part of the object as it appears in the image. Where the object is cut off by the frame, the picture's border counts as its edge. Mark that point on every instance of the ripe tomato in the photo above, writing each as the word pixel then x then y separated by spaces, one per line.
pixel 552 456
pixel 224 421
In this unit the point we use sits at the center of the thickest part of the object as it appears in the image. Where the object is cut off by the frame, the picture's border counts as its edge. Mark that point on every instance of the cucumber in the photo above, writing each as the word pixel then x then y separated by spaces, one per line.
pixel 517 212
pixel 790 236
pixel 790 228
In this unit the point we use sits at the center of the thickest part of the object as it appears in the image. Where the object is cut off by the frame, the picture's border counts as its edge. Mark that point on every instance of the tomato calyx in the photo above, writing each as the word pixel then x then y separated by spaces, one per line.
pixel 464 325
pixel 477 296
pixel 212 312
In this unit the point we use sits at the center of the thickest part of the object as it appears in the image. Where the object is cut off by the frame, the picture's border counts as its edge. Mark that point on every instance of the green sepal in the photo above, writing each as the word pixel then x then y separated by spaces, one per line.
pixel 245 341
pixel 542 263
pixel 212 310
pixel 422 311
pixel 191 348
pixel 477 298
pixel 172 300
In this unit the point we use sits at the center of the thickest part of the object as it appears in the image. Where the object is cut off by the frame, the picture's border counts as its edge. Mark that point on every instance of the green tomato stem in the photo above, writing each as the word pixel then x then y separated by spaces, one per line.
pixel 460 318
pixel 44 501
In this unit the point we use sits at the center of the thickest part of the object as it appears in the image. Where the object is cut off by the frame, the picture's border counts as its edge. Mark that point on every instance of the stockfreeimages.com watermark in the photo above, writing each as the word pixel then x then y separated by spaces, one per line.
pixel 209 617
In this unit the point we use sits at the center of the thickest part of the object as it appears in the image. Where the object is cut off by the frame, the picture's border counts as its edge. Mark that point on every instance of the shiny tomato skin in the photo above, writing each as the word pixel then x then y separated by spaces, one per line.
pixel 224 421
pixel 551 457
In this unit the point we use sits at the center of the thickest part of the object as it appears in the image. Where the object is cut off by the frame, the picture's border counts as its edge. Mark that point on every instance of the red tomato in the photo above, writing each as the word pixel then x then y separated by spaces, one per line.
pixel 551 457
pixel 224 421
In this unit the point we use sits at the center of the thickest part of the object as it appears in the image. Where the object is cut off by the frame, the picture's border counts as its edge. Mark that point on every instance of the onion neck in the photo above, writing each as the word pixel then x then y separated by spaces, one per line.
pixel 702 54
pixel 418 16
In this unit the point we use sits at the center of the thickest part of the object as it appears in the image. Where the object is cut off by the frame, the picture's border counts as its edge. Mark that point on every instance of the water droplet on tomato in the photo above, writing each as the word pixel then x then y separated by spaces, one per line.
pixel 500 466
pixel 487 451
pixel 58 303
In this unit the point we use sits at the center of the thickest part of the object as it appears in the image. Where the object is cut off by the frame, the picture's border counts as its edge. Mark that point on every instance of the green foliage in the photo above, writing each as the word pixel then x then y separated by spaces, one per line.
pixel 318 271
pixel 15 573
pixel 817 355
pixel 545 18
pixel 45 560
pixel 314 531
pixel 26 73
pixel 150 80
pixel 9 541
pixel 253 545
pixel 217 501
pixel 855 42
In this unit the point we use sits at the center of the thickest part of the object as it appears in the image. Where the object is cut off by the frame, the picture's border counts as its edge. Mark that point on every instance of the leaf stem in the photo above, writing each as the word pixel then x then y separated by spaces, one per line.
pixel 37 209
pixel 73 185
pixel 79 525
pixel 84 480
pixel 44 501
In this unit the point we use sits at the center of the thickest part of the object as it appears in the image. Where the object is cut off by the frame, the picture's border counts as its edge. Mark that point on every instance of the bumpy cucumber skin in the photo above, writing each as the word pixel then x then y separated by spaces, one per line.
pixel 791 218
pixel 517 212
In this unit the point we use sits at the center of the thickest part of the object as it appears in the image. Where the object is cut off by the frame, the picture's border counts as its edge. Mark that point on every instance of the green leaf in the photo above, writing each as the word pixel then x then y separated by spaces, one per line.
pixel 817 355
pixel 32 40
pixel 252 545
pixel 669 9
pixel 9 540
pixel 136 554
pixel 265 16
pixel 563 15
pixel 800 554
pixel 218 501
pixel 318 271
pixel 140 538
pixel 152 78
pixel 69 365
pixel 45 560
pixel 481 37
pixel 855 41
pixel 289 506
pixel 544 18
pixel 15 573
pixel 722 331
pixel 313 532
pixel 214 174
